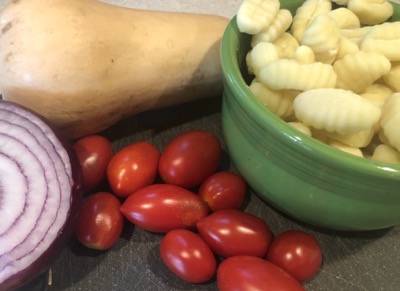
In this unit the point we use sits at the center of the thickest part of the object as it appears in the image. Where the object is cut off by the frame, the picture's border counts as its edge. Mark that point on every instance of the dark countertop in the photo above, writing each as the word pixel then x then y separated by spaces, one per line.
pixel 352 261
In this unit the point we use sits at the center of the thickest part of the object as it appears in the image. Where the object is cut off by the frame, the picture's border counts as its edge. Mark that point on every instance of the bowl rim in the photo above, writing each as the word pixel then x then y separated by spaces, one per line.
pixel 311 147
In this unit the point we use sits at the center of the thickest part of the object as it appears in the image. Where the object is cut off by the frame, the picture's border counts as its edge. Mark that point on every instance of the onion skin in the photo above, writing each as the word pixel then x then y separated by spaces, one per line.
pixel 43 263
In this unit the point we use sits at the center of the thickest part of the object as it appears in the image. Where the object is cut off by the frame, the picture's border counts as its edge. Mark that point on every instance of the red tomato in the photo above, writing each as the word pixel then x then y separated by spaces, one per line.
pixel 248 273
pixel 132 167
pixel 94 152
pixel 163 207
pixel 223 190
pixel 232 232
pixel 99 222
pixel 189 158
pixel 297 252
pixel 188 256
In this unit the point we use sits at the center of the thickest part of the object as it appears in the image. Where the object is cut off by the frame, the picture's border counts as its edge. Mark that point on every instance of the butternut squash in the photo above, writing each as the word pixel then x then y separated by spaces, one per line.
pixel 85 64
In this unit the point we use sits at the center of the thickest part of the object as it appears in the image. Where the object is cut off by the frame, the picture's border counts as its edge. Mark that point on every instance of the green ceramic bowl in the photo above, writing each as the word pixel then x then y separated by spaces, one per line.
pixel 304 178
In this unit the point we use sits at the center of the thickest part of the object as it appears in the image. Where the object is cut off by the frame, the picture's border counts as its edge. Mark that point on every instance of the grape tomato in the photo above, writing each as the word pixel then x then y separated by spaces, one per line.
pixel 254 273
pixel 223 190
pixel 188 256
pixel 231 232
pixel 99 222
pixel 251 258
pixel 94 153
pixel 297 252
pixel 189 158
pixel 132 167
pixel 163 207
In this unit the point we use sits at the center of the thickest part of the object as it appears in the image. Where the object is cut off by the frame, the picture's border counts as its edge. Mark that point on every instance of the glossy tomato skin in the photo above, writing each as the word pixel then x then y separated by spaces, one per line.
pixel 94 153
pixel 188 256
pixel 248 273
pixel 132 167
pixel 297 252
pixel 99 222
pixel 223 190
pixel 232 232
pixel 189 158
pixel 163 207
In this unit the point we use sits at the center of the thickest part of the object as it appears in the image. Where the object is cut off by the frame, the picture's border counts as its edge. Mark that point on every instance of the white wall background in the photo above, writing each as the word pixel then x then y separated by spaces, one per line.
pixel 225 8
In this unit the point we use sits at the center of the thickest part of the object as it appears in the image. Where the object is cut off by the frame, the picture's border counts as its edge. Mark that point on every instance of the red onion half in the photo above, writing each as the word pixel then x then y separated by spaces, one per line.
pixel 40 191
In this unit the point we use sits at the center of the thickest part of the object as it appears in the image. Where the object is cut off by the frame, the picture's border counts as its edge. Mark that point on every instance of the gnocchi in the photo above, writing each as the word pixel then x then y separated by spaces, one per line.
pixel 355 34
pixel 391 108
pixel 346 148
pixel 391 131
pixel 261 55
pixel 371 12
pixel 333 73
pixel 306 13
pixel 383 39
pixel 254 15
pixel 304 55
pixel 279 25
pixel 286 45
pixel 377 93
pixel 393 76
pixel 385 153
pixel 322 36
pixel 358 139
pixel 346 46
pixel 359 70
pixel 279 102
pixel 301 127
pixel 291 75
pixel 335 110
pixel 390 120
pixel 345 18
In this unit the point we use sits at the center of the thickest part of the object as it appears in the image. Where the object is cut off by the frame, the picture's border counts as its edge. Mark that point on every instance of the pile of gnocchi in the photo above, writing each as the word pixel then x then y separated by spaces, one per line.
pixel 331 70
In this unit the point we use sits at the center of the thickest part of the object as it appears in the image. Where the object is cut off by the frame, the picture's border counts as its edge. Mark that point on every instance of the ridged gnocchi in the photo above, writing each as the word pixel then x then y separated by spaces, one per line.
pixel 286 45
pixel 335 110
pixel 383 39
pixel 273 31
pixel 392 79
pixel 391 131
pixel 261 55
pixel 254 15
pixel 291 75
pixel 391 109
pixel 390 121
pixel 330 139
pixel 371 12
pixel 359 70
pixel 358 139
pixel 377 93
pixel 346 47
pixel 345 18
pixel 306 13
pixel 355 34
pixel 333 74
pixel 322 36
pixel 279 102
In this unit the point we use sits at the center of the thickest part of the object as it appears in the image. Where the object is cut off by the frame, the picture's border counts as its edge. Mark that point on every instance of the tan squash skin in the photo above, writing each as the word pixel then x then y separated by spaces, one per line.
pixel 85 65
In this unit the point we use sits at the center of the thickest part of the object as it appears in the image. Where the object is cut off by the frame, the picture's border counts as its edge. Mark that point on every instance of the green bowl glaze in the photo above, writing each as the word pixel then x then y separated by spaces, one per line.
pixel 300 176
